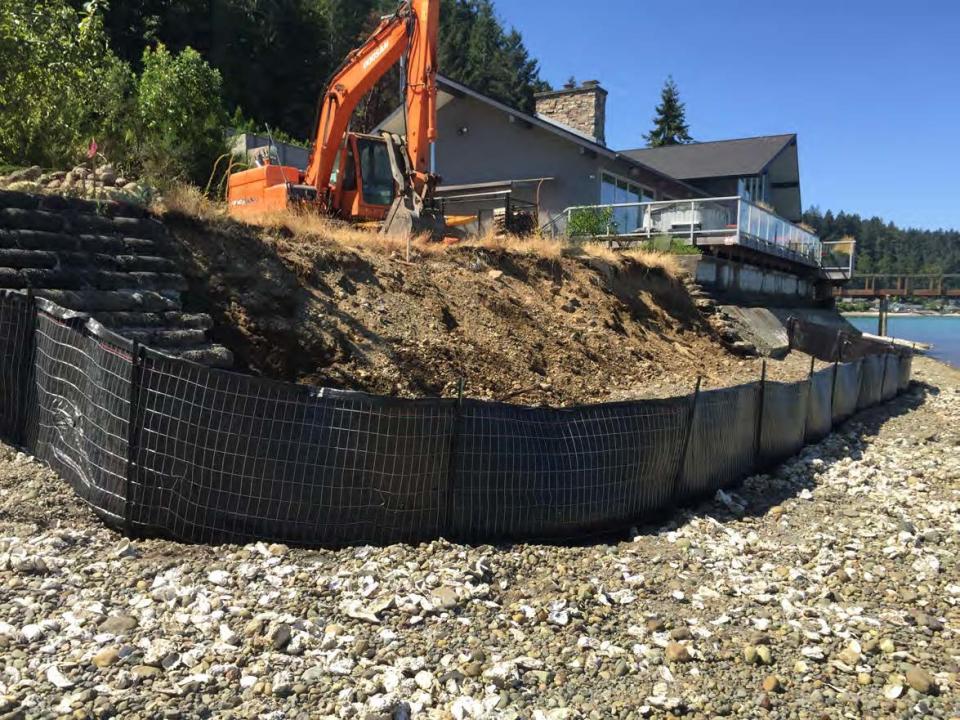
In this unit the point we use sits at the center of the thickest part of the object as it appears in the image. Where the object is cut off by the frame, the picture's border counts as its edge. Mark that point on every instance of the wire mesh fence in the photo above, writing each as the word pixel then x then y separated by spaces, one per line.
pixel 162 446
pixel 819 420
pixel 547 472
pixel 782 432
pixel 16 366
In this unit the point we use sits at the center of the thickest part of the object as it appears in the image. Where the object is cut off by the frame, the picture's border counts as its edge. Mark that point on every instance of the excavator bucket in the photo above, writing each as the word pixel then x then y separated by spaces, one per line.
pixel 409 215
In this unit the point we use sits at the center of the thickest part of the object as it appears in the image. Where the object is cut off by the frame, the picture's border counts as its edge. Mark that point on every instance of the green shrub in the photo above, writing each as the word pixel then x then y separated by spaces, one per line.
pixel 591 222
pixel 182 116
pixel 60 85
pixel 669 244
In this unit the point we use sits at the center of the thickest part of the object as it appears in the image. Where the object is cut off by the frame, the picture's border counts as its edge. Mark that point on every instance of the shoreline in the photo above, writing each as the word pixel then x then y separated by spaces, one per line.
pixel 292 631
pixel 874 313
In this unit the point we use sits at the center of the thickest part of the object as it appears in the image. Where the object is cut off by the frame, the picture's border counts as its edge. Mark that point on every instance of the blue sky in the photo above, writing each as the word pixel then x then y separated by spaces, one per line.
pixel 871 87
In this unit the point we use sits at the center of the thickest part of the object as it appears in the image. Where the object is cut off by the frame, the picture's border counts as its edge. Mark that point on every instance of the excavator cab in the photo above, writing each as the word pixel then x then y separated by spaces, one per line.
pixel 363 180
pixel 362 185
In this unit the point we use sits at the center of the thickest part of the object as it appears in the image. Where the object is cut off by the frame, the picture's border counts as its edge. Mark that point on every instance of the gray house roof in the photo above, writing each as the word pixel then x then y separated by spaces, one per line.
pixel 724 158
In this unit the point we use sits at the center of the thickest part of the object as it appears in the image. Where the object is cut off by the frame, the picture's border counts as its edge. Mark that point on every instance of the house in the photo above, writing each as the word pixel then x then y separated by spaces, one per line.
pixel 761 169
pixel 489 154
pixel 739 198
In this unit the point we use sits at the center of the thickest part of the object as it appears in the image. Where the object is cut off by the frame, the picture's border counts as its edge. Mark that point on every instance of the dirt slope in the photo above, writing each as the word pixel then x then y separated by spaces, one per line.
pixel 515 327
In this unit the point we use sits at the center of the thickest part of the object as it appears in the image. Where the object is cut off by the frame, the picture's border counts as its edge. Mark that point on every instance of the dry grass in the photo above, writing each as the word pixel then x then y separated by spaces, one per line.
pixel 532 246
pixel 189 200
pixel 666 262
pixel 312 227
pixel 603 252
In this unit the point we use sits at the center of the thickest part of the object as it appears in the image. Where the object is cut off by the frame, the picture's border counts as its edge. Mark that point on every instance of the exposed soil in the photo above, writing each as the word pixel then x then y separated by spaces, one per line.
pixel 514 327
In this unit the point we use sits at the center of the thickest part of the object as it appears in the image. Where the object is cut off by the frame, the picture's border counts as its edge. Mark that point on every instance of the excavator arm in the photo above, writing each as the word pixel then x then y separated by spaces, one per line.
pixel 411 32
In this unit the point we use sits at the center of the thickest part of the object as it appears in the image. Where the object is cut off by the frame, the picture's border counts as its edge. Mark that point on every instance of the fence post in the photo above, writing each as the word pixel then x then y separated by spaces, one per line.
pixel 883 378
pixel 134 427
pixel 25 437
pixel 759 432
pixel 691 417
pixel 451 465
pixel 838 356
pixel 806 415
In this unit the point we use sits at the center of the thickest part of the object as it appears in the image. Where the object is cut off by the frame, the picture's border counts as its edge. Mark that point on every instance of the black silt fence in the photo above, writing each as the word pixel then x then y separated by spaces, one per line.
pixel 871 381
pixel 846 391
pixel 722 445
pixel 80 423
pixel 784 421
pixel 162 446
pixel 545 472
pixel 904 371
pixel 819 413
pixel 890 384
pixel 16 364
pixel 222 456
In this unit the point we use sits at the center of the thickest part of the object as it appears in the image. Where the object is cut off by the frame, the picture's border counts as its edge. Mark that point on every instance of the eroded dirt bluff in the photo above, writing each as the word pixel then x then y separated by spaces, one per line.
pixel 515 327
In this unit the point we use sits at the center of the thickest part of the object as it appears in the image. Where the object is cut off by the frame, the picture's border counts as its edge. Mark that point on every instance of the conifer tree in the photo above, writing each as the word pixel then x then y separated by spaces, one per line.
pixel 670 124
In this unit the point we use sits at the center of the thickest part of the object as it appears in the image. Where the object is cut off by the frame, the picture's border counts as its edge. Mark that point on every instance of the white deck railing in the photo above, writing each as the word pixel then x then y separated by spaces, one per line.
pixel 703 221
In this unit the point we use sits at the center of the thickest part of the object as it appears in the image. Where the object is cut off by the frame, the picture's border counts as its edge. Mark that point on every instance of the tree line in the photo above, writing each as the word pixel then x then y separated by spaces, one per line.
pixel 276 56
pixel 885 248
pixel 157 81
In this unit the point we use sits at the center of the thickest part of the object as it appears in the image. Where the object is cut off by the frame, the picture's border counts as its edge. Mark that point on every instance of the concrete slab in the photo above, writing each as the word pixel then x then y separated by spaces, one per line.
pixel 766 328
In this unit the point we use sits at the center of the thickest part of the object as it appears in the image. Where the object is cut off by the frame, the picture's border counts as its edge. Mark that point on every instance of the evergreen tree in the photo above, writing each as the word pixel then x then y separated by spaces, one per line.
pixel 276 56
pixel 486 71
pixel 670 124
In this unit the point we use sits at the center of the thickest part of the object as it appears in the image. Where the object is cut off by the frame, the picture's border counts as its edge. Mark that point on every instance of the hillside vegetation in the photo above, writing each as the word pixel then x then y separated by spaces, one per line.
pixel 156 84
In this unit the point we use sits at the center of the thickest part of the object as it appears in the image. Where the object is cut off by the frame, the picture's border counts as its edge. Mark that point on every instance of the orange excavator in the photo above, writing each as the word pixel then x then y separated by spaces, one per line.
pixel 365 178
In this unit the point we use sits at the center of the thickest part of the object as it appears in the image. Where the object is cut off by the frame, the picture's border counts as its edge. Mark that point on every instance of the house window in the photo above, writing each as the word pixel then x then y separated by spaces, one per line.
pixel 615 190
pixel 753 188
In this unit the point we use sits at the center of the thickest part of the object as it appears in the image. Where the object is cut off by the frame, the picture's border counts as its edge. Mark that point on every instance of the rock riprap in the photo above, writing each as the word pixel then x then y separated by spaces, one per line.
pixel 828 588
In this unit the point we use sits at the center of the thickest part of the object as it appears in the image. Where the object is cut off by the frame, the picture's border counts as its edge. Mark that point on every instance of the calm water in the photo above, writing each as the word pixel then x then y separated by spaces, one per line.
pixel 942 332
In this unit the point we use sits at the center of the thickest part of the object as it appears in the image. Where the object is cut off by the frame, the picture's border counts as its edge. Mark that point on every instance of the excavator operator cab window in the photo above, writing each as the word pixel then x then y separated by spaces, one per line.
pixel 375 173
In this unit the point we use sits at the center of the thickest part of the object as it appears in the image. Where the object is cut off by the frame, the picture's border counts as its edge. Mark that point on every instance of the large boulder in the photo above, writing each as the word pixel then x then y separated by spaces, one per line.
pixel 30 174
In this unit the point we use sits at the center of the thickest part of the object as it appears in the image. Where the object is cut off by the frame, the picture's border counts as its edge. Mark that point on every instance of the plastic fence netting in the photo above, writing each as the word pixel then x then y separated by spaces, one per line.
pixel 227 457
pixel 164 446
pixel 722 440
pixel 819 415
pixel 543 472
pixel 783 422
pixel 846 391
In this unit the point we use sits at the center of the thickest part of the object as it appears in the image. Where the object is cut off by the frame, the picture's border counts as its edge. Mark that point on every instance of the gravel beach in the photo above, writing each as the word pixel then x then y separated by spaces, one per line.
pixel 829 588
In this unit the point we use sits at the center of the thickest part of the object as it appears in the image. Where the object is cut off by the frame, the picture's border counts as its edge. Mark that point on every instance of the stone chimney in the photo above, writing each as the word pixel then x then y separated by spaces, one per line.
pixel 582 108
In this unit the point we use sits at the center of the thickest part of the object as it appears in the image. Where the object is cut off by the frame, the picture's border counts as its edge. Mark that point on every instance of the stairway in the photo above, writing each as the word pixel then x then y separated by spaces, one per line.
pixel 110 260
pixel 718 320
